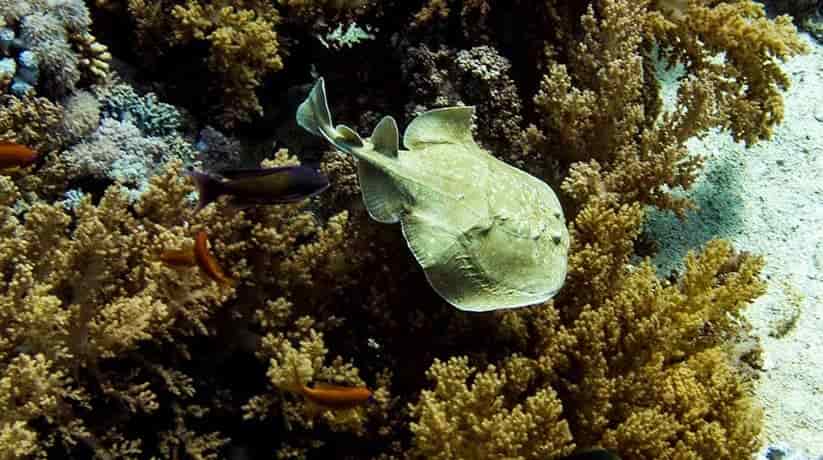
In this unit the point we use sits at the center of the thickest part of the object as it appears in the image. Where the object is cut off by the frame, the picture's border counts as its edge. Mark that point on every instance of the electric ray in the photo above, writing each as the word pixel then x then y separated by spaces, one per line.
pixel 487 235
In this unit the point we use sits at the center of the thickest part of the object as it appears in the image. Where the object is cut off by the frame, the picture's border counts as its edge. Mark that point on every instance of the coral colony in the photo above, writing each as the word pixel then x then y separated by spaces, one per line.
pixel 282 318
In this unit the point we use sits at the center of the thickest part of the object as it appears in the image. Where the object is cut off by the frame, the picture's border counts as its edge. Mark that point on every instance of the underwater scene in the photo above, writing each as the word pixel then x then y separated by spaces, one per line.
pixel 411 229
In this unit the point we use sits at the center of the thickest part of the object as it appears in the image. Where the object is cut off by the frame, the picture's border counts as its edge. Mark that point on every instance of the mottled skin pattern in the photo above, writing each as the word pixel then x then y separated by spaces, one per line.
pixel 488 236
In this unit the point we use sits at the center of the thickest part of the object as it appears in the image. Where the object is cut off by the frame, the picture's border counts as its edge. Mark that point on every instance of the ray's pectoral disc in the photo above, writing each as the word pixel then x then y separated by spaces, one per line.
pixel 488 236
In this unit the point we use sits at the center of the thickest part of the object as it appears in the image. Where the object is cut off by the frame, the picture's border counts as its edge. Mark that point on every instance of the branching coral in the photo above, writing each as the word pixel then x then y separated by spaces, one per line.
pixel 747 79
pixel 244 48
pixel 78 291
pixel 117 150
pixel 601 105
pixel 462 420
pixel 87 290
pixel 154 118
pixel 645 333
pixel 33 121
pixel 120 152
pixel 57 34
pixel 126 138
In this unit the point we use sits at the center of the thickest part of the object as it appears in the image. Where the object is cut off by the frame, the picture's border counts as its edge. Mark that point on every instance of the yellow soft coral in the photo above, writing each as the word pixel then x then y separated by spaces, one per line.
pixel 466 416
pixel 292 367
pixel 244 48
pixel 694 409
pixel 596 114
pixel 639 332
pixel 593 104
pixel 747 79
pixel 79 290
pixel 31 388
pixel 33 121
pixel 599 104
pixel 127 294
pixel 87 291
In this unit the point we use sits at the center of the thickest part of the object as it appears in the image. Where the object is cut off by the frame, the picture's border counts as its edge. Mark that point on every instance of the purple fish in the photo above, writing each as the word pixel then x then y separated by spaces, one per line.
pixel 256 186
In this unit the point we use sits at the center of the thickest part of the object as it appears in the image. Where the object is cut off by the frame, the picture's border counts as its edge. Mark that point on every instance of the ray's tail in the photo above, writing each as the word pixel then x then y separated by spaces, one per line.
pixel 314 116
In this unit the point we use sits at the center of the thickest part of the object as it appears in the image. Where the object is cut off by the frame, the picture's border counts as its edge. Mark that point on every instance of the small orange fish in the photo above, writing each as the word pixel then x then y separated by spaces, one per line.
pixel 336 397
pixel 13 155
pixel 179 257
pixel 206 260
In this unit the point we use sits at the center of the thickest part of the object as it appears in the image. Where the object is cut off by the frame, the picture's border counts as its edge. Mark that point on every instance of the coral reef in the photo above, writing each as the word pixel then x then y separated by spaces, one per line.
pixel 244 48
pixel 479 76
pixel 807 14
pixel 121 102
pixel 216 151
pixel 78 290
pixel 86 288
pixel 119 151
pixel 53 46
pixel 107 351
pixel 242 43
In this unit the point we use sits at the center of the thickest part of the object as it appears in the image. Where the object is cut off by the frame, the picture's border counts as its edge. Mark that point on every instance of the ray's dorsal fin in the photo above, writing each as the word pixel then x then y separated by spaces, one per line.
pixel 386 137
pixel 347 136
pixel 447 125
pixel 384 200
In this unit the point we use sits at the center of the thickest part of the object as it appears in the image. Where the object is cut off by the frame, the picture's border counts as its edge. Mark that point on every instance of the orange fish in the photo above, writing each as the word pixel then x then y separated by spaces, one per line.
pixel 13 155
pixel 206 260
pixel 335 397
pixel 179 257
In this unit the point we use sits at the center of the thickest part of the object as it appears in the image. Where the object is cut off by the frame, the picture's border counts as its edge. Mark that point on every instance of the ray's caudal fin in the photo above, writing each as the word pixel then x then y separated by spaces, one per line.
pixel 314 116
